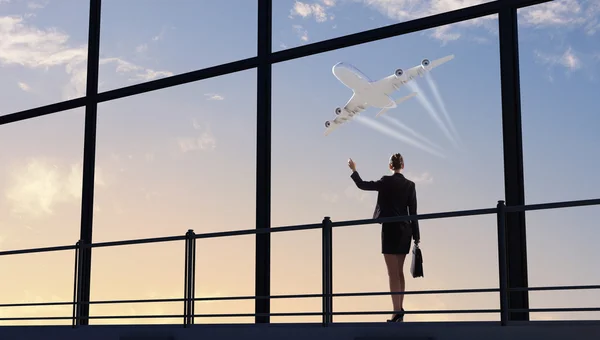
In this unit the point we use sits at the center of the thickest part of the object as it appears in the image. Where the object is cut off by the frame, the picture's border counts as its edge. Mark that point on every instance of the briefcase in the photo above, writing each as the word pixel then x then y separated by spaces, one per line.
pixel 416 267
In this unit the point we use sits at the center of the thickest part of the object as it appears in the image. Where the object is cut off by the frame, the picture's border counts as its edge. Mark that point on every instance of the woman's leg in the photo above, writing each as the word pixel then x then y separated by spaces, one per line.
pixel 393 266
pixel 403 249
pixel 395 245
pixel 401 283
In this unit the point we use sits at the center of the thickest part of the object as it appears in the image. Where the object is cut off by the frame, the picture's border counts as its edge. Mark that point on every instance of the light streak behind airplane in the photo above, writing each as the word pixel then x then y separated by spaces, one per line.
pixel 395 134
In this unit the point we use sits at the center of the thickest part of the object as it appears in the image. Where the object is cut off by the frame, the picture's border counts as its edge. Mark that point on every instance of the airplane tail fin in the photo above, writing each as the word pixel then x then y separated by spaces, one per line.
pixel 398 101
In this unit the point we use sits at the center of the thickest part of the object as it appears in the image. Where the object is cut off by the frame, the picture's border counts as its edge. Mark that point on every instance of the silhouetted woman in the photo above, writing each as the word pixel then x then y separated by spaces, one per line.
pixel 396 196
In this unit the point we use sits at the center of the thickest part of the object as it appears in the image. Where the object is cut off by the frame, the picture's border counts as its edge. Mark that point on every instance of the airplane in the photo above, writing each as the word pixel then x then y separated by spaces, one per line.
pixel 366 92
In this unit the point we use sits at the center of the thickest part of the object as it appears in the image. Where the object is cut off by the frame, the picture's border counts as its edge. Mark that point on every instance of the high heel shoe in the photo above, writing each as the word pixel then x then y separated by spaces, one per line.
pixel 397 317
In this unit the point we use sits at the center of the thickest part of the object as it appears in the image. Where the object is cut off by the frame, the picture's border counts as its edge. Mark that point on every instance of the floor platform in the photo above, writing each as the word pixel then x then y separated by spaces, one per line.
pixel 543 330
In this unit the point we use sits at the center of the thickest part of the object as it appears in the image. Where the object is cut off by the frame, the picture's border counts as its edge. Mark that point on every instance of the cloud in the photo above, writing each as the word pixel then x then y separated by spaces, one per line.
pixel 214 96
pixel 141 48
pixel 330 197
pixel 38 186
pixel 37 5
pixel 24 86
pixel 205 141
pixel 302 33
pixel 28 46
pixel 161 35
pixel 353 192
pixel 135 72
pixel 443 34
pixel 316 10
pixel 558 12
pixel 25 45
pixel 424 178
pixel 568 59
pixel 564 13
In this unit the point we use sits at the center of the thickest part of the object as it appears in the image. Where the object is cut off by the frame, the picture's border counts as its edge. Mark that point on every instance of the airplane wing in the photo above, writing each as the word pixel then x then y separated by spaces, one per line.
pixel 392 83
pixel 398 101
pixel 422 69
pixel 440 61
pixel 354 106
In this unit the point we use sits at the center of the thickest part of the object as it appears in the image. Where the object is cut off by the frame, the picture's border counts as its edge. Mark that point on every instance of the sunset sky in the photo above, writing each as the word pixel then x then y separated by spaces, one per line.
pixel 185 157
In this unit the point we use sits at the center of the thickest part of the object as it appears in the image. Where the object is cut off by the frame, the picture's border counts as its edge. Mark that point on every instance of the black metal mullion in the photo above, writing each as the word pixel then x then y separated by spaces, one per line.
pixel 514 182
pixel 89 158
pixel 263 163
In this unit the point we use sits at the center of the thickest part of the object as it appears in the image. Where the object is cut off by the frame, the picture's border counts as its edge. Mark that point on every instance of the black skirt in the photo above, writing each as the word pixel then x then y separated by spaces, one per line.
pixel 396 237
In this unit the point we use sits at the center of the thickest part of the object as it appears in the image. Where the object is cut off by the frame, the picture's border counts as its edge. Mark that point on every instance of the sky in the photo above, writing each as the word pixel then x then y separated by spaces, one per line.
pixel 184 157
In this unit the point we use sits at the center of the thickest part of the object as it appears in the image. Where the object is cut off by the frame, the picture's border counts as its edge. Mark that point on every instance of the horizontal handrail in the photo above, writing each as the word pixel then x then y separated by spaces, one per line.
pixel 136 241
pixel 553 288
pixel 446 214
pixel 231 315
pixel 299 296
pixel 252 297
pixel 36 250
pixel 553 205
pixel 554 310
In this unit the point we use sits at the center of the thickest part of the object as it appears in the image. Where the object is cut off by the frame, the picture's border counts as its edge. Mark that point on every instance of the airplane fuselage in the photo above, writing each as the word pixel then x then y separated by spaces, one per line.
pixel 362 86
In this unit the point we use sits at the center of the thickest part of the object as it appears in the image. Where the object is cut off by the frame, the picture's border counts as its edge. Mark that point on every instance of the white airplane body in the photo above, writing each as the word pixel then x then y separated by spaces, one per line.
pixel 374 93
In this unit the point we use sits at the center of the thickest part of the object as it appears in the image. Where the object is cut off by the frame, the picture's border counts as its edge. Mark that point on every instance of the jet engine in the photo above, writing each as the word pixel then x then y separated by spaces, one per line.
pixel 338 111
pixel 327 124
pixel 399 73
pixel 425 62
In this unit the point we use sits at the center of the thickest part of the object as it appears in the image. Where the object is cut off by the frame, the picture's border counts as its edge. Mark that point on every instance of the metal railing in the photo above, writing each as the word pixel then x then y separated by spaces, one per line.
pixel 327 294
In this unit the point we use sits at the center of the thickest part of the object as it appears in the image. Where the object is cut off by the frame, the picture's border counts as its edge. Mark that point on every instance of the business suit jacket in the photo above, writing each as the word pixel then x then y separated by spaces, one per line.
pixel 396 196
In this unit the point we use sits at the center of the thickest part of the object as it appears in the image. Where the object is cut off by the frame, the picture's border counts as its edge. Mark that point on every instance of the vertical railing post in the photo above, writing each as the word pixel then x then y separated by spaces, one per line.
pixel 327 241
pixel 185 282
pixel 76 309
pixel 502 263
pixel 192 283
pixel 189 279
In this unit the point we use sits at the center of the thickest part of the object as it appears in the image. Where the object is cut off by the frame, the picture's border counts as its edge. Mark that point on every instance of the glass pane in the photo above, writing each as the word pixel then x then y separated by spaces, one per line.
pixel 177 159
pixel 575 230
pixel 296 270
pixel 41 181
pixel 225 268
pixel 170 40
pixel 449 134
pixel 138 272
pixel 559 72
pixel 37 278
pixel 43 56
